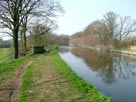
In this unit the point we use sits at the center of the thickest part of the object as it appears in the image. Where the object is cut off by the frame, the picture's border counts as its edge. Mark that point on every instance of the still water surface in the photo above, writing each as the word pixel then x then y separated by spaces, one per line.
pixel 113 74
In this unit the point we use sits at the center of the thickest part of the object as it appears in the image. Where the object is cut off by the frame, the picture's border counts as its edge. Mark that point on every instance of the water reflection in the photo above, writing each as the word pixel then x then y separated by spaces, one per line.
pixel 64 49
pixel 113 74
pixel 110 67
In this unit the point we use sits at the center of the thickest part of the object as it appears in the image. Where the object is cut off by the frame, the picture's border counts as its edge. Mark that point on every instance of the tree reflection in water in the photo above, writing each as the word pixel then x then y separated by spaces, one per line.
pixel 111 67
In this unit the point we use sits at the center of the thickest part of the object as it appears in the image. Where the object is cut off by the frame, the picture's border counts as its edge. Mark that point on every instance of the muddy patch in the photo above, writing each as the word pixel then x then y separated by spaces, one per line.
pixel 10 93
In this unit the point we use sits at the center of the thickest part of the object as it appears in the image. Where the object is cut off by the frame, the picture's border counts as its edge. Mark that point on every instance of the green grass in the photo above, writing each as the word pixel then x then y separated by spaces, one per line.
pixel 3 53
pixel 8 73
pixel 8 69
pixel 50 79
pixel 47 79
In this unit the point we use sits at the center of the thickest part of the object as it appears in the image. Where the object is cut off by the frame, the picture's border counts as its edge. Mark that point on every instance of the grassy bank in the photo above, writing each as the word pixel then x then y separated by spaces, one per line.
pixel 3 53
pixel 50 79
pixel 8 73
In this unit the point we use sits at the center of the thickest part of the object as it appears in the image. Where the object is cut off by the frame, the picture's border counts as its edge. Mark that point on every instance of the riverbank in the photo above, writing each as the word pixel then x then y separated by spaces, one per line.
pixel 123 52
pixel 47 79
pixel 50 79
pixel 10 77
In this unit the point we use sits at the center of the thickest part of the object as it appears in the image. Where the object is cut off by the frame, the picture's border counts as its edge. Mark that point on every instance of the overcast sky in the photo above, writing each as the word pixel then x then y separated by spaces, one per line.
pixel 79 13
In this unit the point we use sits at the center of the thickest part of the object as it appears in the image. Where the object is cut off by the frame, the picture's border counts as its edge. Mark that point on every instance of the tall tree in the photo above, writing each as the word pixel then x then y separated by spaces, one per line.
pixel 12 15
pixel 44 13
pixel 16 14
pixel 110 23
pixel 23 34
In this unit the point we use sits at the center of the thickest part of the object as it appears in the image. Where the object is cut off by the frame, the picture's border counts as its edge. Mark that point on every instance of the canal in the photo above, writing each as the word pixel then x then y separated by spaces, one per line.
pixel 113 74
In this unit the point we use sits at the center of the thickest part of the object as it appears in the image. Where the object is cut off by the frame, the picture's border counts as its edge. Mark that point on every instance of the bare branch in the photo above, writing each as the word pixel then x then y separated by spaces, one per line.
pixel 126 27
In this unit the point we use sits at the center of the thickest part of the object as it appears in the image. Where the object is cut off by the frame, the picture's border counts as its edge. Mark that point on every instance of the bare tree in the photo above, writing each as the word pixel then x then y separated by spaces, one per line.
pixel 23 34
pixel 126 27
pixel 37 31
pixel 106 28
pixel 44 13
pixel 100 30
pixel 110 23
pixel 114 27
pixel 118 27
pixel 16 14
pixel 12 14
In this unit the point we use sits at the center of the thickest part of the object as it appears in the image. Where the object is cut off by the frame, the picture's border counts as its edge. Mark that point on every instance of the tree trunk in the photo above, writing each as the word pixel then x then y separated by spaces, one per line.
pixel 15 40
pixel 23 34
pixel 24 37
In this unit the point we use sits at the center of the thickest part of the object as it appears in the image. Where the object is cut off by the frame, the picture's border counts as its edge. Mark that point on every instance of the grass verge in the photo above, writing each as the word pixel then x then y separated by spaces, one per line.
pixel 3 53
pixel 50 79
pixel 8 74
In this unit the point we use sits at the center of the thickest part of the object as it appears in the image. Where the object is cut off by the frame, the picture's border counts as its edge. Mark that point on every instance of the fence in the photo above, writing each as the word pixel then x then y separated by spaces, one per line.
pixel 7 58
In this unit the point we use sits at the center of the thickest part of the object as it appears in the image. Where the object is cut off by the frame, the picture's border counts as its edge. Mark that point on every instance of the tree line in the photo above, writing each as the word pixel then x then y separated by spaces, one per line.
pixel 111 31
pixel 22 18
pixel 47 38
pixel 5 44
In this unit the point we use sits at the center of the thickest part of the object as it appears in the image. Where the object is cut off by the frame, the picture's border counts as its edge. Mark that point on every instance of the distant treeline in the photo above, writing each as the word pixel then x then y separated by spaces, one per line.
pixel 62 39
pixel 112 31
pixel 5 43
pixel 46 40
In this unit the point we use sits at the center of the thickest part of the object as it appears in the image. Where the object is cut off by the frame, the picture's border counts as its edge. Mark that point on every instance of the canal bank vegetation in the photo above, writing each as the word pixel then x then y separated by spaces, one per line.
pixel 9 74
pixel 3 53
pixel 111 32
pixel 5 50
pixel 50 79
pixel 46 79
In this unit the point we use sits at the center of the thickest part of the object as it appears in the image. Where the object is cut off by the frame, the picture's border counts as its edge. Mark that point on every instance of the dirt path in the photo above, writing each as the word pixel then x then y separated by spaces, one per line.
pixel 16 83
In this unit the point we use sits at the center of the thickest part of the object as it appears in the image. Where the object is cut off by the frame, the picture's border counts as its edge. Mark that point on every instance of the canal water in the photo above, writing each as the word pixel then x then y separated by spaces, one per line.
pixel 113 74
